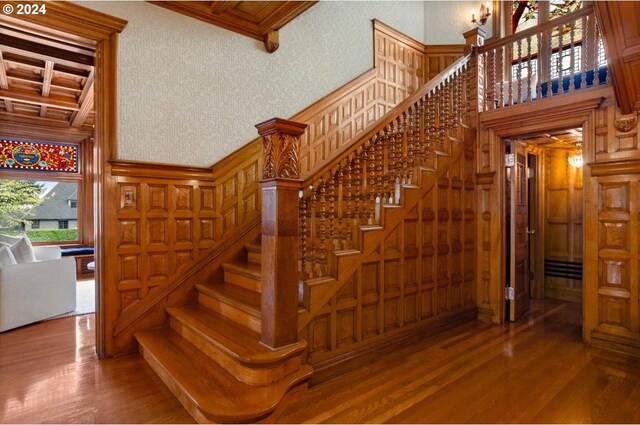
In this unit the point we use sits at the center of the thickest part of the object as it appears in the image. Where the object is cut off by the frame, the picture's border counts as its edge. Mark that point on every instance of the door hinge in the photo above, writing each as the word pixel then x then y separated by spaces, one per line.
pixel 509 159
pixel 509 293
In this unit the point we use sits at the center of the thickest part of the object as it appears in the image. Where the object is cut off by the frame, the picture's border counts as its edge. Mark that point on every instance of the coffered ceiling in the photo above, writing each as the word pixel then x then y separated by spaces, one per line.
pixel 46 85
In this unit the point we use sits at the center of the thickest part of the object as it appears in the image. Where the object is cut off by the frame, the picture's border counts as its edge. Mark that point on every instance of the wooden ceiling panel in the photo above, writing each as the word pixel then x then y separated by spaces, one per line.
pixel 260 20
pixel 45 84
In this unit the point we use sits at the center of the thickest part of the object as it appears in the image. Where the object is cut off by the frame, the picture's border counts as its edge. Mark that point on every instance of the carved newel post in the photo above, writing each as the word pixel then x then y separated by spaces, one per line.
pixel 280 187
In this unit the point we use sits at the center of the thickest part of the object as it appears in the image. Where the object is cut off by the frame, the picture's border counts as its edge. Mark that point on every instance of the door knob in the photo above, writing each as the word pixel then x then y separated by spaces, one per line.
pixel 530 232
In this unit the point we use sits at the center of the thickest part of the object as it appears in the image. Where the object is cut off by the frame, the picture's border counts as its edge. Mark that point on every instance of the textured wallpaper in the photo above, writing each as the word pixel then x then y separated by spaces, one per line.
pixel 190 92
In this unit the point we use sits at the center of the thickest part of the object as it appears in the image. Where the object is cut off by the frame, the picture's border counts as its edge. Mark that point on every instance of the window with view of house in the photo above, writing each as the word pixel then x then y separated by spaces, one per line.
pixel 46 211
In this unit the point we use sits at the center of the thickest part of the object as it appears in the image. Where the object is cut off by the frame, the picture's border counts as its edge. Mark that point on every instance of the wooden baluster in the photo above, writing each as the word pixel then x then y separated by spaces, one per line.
pixel 431 118
pixel 593 41
pixel 501 59
pixel 572 57
pixel 365 176
pixel 492 82
pixel 331 205
pixel 386 163
pixel 404 143
pixel 585 51
pixel 442 120
pixel 322 230
pixel 304 203
pixel 548 72
pixel 529 69
pixel 419 132
pixel 372 166
pixel 357 189
pixel 559 61
pixel 538 69
pixel 313 230
pixel 391 168
pixel 348 206
pixel 411 144
pixel 339 208
pixel 510 77
pixel 380 146
pixel 596 63
pixel 519 72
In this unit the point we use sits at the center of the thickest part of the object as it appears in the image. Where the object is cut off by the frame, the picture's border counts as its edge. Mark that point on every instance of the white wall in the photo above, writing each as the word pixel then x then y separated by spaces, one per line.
pixel 190 92
pixel 446 21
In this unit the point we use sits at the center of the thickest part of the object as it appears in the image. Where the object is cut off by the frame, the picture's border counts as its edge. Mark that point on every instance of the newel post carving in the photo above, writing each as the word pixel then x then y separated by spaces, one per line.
pixel 280 187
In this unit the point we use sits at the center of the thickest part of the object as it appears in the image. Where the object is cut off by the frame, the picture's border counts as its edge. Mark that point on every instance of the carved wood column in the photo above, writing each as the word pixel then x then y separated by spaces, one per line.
pixel 280 186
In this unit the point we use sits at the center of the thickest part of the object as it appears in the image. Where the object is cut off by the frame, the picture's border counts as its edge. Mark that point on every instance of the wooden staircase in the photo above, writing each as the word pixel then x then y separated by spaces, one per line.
pixel 211 356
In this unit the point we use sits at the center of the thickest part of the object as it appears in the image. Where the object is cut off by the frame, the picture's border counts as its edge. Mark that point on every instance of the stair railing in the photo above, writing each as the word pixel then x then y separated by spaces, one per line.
pixel 305 220
pixel 556 57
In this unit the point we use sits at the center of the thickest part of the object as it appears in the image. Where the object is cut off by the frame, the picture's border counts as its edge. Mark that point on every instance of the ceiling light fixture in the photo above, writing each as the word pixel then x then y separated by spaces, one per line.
pixel 577 160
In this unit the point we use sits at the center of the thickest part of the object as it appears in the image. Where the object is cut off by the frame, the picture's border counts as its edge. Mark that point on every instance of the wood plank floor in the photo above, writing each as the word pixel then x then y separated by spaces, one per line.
pixel 536 370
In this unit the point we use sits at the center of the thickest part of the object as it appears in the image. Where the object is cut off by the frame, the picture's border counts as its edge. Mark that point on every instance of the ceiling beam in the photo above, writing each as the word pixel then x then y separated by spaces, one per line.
pixel 88 87
pixel 43 52
pixel 86 106
pixel 4 83
pixel 47 75
pixel 36 99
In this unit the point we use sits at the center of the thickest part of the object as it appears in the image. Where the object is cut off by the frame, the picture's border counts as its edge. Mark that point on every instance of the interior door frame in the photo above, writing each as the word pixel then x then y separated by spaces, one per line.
pixel 573 111
pixel 103 29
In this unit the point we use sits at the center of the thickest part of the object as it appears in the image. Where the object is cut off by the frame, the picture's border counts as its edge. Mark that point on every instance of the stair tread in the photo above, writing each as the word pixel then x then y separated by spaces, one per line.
pixel 246 269
pixel 237 341
pixel 245 299
pixel 215 392
pixel 253 247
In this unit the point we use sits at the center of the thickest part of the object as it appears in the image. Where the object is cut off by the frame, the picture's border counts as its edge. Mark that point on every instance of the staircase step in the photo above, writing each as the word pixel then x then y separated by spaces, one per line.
pixel 246 275
pixel 254 252
pixel 233 302
pixel 205 389
pixel 235 347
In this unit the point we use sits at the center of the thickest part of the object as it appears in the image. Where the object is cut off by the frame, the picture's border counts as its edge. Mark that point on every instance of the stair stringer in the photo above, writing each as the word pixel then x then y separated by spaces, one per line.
pixel 319 291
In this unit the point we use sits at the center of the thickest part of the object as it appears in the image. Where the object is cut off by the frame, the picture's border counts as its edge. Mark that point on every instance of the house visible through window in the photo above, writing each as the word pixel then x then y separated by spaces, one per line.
pixel 46 210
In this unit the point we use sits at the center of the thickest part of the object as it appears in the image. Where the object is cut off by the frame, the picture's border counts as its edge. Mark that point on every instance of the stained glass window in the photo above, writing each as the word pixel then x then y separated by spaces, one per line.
pixel 38 156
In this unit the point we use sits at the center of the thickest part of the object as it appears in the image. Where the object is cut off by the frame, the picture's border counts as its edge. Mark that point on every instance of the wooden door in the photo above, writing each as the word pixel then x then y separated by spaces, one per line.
pixel 519 252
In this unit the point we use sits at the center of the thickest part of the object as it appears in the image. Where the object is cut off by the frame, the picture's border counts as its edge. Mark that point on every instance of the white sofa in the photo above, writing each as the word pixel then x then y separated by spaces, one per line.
pixel 30 292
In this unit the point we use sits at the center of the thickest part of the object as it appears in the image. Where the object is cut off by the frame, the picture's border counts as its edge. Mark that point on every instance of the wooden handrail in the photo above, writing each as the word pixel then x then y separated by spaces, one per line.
pixel 385 120
pixel 569 17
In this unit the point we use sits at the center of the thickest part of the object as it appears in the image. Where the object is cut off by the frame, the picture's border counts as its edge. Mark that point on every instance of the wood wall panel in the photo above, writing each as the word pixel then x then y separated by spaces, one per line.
pixel 563 228
pixel 423 270
pixel 403 64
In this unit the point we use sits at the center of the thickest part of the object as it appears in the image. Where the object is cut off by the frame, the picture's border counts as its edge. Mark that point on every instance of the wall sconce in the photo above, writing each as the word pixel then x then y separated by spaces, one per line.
pixel 577 160
pixel 484 14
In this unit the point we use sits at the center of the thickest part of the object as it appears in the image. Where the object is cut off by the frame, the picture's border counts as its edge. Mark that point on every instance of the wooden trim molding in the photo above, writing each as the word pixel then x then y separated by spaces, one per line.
pixel 123 168
pixel 409 41
pixel 614 168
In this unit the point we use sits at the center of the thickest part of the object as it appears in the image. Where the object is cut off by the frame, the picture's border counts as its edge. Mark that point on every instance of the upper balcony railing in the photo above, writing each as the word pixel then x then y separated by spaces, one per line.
pixel 556 57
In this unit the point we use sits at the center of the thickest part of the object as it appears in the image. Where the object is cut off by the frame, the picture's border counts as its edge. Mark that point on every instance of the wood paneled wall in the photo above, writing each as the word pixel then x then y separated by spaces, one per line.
pixel 563 221
pixel 613 232
pixel 166 219
pixel 404 64
pixel 611 278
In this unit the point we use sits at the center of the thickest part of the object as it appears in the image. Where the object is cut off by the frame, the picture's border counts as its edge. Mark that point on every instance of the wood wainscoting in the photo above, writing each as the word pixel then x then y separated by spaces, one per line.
pixel 611 193
pixel 420 277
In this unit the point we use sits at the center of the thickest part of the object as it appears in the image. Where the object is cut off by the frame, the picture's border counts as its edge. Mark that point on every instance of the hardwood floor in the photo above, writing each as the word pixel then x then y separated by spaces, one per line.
pixel 533 371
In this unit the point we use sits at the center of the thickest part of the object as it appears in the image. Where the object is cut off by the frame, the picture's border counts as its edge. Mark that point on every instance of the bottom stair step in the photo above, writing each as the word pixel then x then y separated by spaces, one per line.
pixel 206 390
